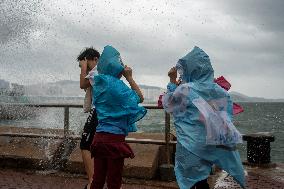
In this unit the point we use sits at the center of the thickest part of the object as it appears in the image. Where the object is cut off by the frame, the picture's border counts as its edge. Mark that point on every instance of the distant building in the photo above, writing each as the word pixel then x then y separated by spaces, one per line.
pixel 4 86
pixel 57 89
pixel 151 93
pixel 17 90
pixel 67 88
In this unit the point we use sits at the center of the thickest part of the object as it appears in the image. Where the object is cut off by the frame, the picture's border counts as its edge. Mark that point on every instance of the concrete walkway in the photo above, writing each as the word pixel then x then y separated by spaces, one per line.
pixel 15 179
pixel 23 179
pixel 29 153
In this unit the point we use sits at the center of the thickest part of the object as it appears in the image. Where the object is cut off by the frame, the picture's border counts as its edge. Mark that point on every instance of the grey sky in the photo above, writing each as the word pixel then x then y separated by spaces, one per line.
pixel 39 40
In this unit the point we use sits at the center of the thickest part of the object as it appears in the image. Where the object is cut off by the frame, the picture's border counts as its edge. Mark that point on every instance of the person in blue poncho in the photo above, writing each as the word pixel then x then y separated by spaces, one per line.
pixel 117 111
pixel 202 112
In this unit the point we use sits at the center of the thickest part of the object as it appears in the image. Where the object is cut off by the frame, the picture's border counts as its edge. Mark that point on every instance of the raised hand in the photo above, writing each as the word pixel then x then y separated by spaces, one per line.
pixel 173 75
pixel 127 72
pixel 83 63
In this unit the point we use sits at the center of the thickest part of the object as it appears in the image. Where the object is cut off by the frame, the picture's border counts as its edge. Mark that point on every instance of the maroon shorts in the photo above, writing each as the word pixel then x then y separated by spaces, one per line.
pixel 109 151
pixel 111 146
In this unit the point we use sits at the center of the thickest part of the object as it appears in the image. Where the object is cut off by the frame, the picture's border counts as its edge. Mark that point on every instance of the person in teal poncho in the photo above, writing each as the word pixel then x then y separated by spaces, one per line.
pixel 117 111
pixel 202 112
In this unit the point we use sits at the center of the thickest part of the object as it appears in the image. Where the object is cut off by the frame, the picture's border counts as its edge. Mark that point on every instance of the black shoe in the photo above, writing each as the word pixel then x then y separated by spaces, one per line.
pixel 86 187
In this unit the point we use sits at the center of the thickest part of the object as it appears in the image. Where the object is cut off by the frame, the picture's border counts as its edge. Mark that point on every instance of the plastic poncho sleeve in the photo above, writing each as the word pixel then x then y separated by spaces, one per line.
pixel 175 100
pixel 128 100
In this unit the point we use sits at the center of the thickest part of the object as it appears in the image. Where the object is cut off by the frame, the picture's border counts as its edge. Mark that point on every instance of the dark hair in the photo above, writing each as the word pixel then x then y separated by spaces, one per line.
pixel 90 53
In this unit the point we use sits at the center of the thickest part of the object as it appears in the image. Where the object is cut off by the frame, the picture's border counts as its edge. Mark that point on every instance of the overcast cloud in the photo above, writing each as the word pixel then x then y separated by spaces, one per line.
pixel 40 40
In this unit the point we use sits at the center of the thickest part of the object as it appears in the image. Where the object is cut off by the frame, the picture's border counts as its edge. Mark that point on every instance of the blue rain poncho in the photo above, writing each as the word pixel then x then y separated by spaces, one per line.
pixel 116 104
pixel 202 113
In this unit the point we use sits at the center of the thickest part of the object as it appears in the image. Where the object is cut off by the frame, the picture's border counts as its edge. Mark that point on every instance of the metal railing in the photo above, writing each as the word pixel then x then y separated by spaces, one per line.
pixel 254 140
pixel 66 129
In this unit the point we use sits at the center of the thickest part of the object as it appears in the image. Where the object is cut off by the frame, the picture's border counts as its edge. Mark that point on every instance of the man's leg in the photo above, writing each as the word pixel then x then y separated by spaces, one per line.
pixel 86 141
pixel 89 164
pixel 87 159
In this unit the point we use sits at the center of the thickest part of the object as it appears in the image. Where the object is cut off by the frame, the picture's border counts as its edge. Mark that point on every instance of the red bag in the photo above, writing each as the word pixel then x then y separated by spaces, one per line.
pixel 160 101
pixel 222 82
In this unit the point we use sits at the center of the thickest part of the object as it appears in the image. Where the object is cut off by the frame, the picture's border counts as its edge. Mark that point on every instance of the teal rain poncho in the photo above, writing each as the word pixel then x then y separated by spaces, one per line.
pixel 202 113
pixel 116 104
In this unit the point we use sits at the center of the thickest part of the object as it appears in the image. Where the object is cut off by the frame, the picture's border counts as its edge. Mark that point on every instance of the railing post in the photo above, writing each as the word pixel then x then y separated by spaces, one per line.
pixel 66 121
pixel 167 170
pixel 258 148
pixel 167 136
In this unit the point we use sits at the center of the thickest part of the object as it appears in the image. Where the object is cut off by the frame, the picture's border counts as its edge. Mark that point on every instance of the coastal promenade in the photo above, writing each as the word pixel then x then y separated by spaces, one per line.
pixel 22 158
pixel 33 158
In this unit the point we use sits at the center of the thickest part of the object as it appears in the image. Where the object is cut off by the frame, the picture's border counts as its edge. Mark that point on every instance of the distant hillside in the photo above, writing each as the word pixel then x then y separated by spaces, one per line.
pixel 61 88
pixel 68 88
pixel 151 87
pixel 239 97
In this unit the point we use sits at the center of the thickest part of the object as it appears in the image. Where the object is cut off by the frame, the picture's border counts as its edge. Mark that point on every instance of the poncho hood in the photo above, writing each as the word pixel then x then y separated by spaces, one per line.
pixel 195 67
pixel 110 62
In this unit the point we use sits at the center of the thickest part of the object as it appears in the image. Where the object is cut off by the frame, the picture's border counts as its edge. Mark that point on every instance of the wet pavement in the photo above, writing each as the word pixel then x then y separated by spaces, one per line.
pixel 21 179
pixel 254 181
pixel 15 179
pixel 256 177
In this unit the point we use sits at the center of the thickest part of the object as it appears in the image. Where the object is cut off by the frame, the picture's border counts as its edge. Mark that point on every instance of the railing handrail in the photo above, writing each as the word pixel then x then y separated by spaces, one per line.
pixel 77 137
pixel 62 105
pixel 66 107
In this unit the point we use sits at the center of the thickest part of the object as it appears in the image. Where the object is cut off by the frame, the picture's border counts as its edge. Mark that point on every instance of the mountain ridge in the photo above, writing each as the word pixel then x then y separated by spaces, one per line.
pixel 239 97
pixel 71 88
